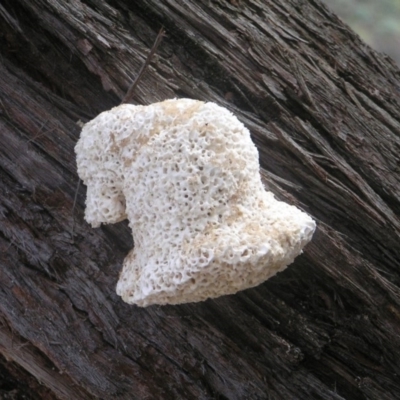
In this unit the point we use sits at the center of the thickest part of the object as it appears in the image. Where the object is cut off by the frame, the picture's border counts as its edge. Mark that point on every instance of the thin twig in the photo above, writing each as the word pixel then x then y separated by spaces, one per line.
pixel 128 97
pixel 73 208
pixel 131 90
pixel 39 133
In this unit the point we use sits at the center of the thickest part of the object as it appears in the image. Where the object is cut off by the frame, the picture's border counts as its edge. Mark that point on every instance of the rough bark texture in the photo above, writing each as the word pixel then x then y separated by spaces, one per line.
pixel 324 111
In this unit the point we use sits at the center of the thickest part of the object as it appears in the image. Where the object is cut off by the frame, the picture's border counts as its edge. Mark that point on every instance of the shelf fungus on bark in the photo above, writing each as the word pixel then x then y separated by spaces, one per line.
pixel 186 175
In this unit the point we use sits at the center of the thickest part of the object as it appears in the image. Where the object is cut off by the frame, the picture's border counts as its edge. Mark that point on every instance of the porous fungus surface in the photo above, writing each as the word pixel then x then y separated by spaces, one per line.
pixel 186 175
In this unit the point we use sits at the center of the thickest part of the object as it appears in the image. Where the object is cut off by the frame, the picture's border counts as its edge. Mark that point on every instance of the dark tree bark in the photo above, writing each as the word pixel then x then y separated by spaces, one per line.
pixel 324 111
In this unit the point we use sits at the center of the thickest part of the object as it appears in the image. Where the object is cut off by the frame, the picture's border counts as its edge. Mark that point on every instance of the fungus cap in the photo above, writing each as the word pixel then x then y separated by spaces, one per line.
pixel 186 175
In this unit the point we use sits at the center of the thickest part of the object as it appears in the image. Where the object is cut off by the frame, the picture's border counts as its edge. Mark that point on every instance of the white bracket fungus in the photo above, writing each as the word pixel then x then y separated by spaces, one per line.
pixel 186 175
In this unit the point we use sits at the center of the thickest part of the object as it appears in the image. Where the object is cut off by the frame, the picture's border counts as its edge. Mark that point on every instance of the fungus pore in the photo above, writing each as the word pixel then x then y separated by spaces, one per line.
pixel 186 175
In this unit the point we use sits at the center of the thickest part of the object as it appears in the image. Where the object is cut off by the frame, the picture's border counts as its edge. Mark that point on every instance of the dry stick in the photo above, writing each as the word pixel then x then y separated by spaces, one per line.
pixel 131 90
pixel 128 96
pixel 73 209
pixel 39 133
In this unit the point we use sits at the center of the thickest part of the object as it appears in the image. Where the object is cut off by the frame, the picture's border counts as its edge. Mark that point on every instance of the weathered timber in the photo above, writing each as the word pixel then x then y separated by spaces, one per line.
pixel 323 109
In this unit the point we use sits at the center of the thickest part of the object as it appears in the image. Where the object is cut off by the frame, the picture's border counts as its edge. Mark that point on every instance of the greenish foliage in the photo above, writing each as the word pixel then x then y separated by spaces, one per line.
pixel 376 21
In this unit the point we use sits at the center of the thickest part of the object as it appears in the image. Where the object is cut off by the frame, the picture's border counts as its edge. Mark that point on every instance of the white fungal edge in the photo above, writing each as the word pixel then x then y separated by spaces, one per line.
pixel 186 175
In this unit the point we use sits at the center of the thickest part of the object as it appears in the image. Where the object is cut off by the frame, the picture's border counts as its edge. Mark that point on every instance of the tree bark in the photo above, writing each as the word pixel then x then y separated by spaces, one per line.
pixel 323 109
